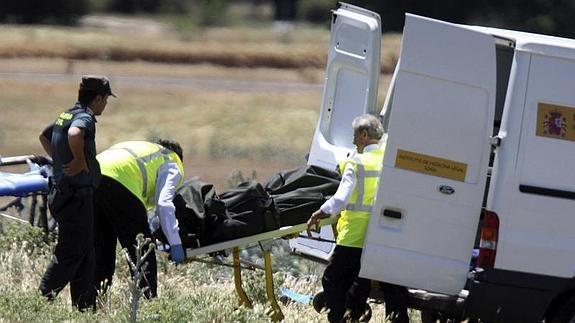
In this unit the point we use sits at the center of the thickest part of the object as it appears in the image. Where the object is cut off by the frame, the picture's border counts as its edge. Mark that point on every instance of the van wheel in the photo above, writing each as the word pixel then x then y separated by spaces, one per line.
pixel 565 312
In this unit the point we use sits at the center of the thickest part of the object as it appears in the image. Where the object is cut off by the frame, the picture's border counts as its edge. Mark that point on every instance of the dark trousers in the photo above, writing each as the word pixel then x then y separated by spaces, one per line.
pixel 120 216
pixel 73 258
pixel 342 287
pixel 395 297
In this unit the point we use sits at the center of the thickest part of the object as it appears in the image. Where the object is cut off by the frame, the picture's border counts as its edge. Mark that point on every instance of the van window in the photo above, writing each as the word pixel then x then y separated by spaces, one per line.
pixel 387 104
pixel 504 49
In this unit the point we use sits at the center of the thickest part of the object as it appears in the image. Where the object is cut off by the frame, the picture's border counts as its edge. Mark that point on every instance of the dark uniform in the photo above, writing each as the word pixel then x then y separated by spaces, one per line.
pixel 72 205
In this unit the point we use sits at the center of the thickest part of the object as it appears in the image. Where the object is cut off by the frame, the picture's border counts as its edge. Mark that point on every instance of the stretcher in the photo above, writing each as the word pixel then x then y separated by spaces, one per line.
pixel 31 185
pixel 264 241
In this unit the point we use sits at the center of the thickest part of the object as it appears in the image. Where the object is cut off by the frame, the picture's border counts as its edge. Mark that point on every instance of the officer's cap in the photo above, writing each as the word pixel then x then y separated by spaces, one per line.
pixel 96 83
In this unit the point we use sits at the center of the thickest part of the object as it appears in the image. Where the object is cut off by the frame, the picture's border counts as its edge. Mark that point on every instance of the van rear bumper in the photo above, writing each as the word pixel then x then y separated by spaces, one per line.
pixel 496 302
pixel 496 295
pixel 510 296
pixel 451 306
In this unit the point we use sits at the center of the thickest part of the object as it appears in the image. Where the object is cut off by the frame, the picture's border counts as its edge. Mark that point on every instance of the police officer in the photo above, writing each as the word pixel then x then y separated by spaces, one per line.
pixel 70 141
pixel 344 291
pixel 137 176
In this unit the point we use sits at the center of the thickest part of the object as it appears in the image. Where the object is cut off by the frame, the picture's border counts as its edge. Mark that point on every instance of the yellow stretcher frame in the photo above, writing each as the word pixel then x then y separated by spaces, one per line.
pixel 264 240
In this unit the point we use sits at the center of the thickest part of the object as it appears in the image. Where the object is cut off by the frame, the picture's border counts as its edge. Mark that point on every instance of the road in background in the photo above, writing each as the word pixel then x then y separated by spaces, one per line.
pixel 171 82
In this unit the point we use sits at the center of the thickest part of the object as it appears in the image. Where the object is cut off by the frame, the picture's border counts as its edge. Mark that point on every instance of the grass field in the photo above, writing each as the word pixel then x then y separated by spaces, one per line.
pixel 216 128
pixel 223 130
pixel 193 292
pixel 304 47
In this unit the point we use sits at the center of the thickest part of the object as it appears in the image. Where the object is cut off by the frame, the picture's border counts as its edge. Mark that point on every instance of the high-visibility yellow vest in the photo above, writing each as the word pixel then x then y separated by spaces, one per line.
pixel 135 165
pixel 353 221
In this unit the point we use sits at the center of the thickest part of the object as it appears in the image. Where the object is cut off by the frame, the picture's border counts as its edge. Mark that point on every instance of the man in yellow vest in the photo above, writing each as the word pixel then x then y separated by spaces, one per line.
pixel 136 177
pixel 344 291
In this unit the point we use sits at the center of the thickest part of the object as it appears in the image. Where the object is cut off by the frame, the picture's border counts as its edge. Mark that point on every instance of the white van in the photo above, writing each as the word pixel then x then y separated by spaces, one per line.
pixel 480 151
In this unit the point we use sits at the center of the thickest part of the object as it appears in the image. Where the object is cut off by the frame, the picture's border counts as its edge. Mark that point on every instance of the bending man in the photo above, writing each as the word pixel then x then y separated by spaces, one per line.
pixel 137 176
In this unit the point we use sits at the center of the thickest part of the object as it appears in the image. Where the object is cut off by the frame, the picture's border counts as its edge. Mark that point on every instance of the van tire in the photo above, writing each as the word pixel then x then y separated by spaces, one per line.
pixel 565 312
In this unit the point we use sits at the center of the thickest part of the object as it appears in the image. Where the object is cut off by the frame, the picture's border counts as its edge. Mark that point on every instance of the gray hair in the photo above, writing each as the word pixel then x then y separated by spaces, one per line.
pixel 370 123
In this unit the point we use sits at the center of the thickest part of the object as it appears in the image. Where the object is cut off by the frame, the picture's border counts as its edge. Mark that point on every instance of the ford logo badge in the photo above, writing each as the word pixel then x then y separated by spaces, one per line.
pixel 446 189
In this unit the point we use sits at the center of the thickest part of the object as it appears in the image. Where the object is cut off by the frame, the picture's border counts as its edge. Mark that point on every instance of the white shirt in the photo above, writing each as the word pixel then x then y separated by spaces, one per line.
pixel 339 200
pixel 169 176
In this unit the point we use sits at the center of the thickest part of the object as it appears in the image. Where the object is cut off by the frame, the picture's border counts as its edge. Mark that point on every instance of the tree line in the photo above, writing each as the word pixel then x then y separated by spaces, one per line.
pixel 553 17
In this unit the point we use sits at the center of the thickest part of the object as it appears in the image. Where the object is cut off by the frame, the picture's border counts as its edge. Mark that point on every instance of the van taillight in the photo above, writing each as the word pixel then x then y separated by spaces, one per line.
pixel 488 242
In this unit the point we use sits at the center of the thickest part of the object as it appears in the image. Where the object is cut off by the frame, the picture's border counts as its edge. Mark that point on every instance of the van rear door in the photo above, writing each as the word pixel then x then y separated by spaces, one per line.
pixel 424 222
pixel 351 81
pixel 350 89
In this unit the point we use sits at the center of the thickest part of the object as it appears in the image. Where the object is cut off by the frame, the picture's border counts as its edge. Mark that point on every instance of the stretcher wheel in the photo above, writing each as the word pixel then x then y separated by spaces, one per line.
pixel 318 302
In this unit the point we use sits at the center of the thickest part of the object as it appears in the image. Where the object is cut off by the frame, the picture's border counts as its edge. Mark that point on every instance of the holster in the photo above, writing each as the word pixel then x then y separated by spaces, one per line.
pixel 59 196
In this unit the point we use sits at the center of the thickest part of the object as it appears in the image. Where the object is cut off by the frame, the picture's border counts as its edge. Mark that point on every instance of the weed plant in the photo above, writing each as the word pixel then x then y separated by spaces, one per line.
pixel 192 292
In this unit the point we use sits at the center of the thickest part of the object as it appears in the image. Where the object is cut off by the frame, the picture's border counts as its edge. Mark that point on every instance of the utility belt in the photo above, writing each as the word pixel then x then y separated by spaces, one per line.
pixel 61 193
pixel 65 186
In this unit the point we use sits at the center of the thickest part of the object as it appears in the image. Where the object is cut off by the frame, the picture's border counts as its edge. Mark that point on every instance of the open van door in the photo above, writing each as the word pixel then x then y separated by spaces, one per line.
pixel 350 89
pixel 423 226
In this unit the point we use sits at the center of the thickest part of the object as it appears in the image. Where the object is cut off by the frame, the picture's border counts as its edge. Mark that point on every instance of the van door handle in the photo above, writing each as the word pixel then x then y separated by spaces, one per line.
pixel 392 214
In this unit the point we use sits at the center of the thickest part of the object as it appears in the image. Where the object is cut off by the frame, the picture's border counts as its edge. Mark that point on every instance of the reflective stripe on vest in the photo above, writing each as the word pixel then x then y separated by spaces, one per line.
pixel 352 223
pixel 362 174
pixel 135 165
pixel 142 160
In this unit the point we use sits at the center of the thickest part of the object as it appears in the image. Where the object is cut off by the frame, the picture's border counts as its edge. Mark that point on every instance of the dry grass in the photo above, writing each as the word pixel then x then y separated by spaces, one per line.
pixel 193 292
pixel 237 47
pixel 216 128
pixel 150 69
pixel 221 130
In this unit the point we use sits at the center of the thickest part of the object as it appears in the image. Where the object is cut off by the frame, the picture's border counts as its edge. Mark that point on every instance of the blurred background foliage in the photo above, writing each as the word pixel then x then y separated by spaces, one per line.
pixel 554 17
